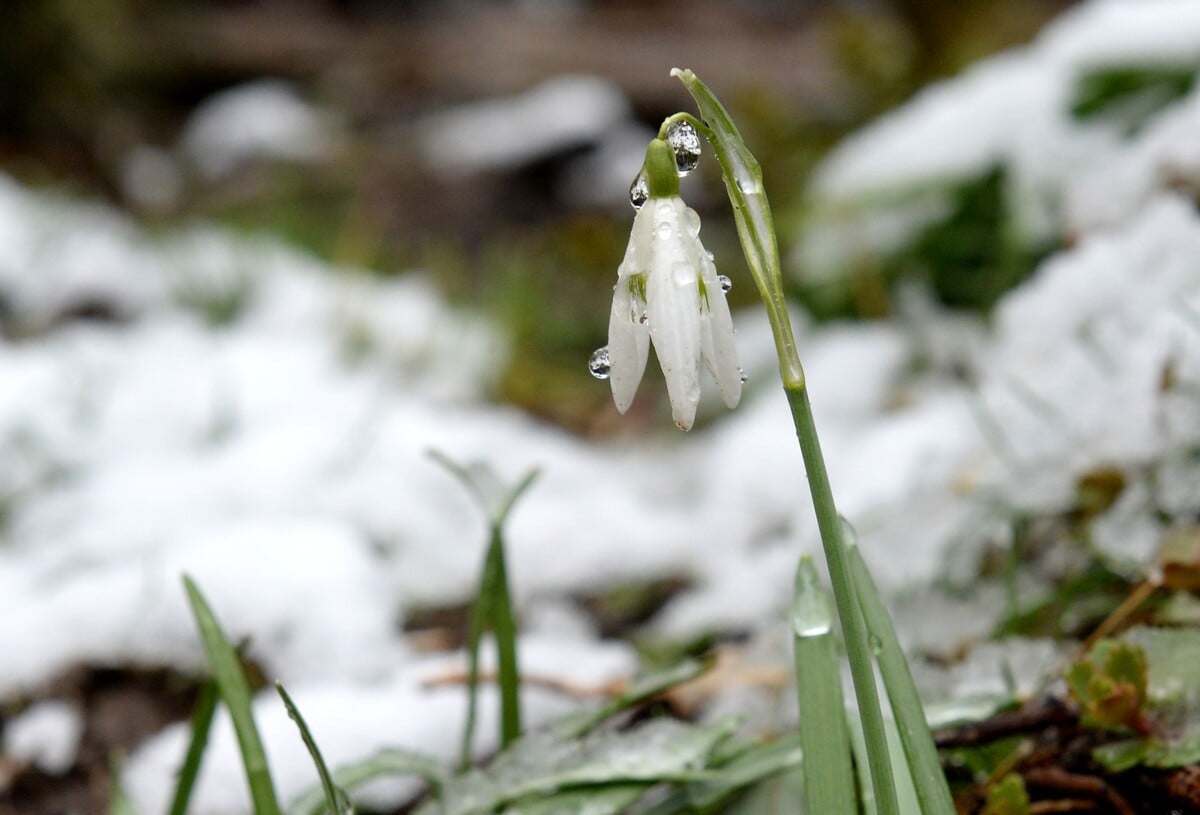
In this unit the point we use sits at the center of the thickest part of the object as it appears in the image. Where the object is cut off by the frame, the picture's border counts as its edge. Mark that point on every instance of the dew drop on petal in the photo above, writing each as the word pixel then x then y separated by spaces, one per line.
pixel 726 283
pixel 684 274
pixel 639 191
pixel 742 374
pixel 685 141
pixel 600 364
pixel 692 220
pixel 664 232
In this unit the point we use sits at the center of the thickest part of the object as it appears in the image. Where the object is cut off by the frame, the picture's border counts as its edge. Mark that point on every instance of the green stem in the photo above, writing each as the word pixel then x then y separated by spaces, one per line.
pixel 854 630
pixel 202 718
pixel 924 766
pixel 493 610
pixel 505 627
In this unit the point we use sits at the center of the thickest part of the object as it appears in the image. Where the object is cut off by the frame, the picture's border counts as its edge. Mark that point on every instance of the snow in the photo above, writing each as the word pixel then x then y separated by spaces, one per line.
pixel 265 118
pixel 243 413
pixel 415 708
pixel 47 735
pixel 882 185
pixel 560 113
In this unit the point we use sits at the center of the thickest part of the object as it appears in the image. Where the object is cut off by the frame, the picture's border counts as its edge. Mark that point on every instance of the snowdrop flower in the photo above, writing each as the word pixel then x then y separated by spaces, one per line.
pixel 668 293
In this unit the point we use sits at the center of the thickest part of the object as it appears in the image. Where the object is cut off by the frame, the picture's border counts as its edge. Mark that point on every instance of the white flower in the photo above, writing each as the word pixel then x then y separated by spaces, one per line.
pixel 668 292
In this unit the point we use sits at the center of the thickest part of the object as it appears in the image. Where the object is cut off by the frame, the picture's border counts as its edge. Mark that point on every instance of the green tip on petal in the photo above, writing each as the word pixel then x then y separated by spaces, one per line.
pixel 661 175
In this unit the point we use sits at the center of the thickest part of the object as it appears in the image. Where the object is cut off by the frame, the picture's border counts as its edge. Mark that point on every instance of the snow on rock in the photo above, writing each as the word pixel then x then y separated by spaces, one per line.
pixel 47 735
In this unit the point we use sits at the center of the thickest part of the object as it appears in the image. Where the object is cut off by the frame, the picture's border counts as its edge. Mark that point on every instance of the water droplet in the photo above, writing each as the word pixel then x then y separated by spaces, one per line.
pixel 664 232
pixel 639 191
pixel 684 274
pixel 726 283
pixel 875 643
pixel 600 364
pixel 664 210
pixel 685 141
pixel 748 184
pixel 692 221
pixel 742 375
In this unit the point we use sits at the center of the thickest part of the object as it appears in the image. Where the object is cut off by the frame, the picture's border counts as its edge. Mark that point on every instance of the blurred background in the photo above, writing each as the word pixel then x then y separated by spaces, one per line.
pixel 490 144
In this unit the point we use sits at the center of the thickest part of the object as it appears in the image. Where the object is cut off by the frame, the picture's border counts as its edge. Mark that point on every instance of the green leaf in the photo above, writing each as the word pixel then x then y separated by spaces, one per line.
pixel 828 769
pixel 912 726
pixel 543 762
pixel 1007 797
pixel 1171 694
pixel 1109 685
pixel 202 717
pixel 235 693
pixel 336 800
pixel 1130 93
pixel 747 768
pixel 493 603
pixel 607 800
pixel 390 762
pixel 639 690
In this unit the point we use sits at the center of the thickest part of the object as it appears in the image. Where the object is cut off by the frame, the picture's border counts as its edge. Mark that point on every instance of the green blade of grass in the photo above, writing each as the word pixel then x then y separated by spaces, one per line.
pixel 235 693
pixel 475 629
pixel 824 736
pixel 915 736
pixel 639 690
pixel 493 610
pixel 505 627
pixel 202 718
pixel 390 762
pixel 336 800
pixel 493 604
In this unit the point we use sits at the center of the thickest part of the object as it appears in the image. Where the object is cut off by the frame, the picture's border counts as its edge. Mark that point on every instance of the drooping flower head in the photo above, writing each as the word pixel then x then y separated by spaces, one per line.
pixel 668 293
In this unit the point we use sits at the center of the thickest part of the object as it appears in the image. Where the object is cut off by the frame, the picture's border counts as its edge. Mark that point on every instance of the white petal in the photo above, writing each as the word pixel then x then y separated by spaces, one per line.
pixel 717 346
pixel 673 306
pixel 628 346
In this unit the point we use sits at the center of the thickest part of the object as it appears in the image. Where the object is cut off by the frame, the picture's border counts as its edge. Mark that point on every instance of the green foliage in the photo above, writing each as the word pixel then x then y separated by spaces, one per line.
pixel 544 764
pixel 912 728
pixel 1109 685
pixel 970 251
pixel 1007 797
pixel 202 718
pixel 235 693
pixel 386 763
pixel 493 602
pixel 1172 695
pixel 1130 93
pixel 336 800
pixel 828 770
